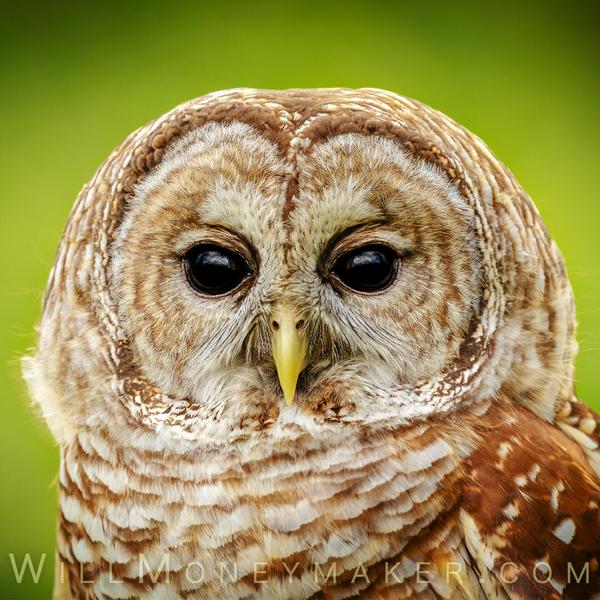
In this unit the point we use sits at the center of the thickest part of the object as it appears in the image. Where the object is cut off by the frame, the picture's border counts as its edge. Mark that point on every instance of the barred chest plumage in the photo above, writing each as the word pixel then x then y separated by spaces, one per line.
pixel 281 520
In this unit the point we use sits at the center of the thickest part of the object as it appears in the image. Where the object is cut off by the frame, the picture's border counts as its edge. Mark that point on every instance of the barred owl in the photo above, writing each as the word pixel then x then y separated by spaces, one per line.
pixel 314 344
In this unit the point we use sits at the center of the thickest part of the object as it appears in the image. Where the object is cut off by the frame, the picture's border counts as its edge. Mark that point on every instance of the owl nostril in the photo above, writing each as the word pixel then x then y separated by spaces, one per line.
pixel 299 325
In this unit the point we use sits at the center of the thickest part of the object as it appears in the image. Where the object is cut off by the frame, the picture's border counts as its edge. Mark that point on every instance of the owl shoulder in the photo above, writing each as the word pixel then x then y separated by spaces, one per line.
pixel 530 504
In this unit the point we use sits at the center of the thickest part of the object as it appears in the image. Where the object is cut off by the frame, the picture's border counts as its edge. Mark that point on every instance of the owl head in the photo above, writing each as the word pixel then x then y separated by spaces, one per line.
pixel 256 260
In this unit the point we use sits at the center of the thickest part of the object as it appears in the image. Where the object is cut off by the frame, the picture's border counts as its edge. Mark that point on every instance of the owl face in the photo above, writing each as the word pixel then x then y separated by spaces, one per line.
pixel 298 263
pixel 242 292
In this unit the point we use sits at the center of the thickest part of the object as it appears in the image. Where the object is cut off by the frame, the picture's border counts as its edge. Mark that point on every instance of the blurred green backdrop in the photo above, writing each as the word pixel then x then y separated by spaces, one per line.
pixel 77 79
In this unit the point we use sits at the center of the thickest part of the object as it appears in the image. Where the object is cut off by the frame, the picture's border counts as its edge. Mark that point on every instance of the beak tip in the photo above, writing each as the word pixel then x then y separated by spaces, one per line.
pixel 289 395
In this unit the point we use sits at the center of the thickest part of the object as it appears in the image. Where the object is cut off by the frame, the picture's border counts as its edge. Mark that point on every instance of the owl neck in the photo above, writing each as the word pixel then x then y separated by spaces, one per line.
pixel 127 514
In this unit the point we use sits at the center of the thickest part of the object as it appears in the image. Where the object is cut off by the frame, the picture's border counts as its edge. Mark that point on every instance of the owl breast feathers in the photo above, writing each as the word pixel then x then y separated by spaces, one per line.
pixel 314 344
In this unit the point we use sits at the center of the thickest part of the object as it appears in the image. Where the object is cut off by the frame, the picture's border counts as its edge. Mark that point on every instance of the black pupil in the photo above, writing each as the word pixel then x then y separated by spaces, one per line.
pixel 367 269
pixel 214 270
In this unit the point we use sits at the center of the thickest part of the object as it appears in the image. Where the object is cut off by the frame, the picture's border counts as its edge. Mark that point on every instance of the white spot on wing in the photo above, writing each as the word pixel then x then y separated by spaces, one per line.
pixel 565 530
pixel 556 490
pixel 587 425
pixel 521 480
pixel 534 472
pixel 503 449
pixel 511 510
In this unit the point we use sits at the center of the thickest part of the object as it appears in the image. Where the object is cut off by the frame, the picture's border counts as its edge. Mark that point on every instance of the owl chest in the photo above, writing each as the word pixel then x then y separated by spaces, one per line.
pixel 280 526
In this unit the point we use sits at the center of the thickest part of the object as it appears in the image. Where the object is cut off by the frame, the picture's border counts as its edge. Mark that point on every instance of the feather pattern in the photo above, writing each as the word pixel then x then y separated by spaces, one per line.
pixel 435 448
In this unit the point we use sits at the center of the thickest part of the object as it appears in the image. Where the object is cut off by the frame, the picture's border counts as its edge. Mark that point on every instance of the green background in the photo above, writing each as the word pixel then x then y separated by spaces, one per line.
pixel 76 80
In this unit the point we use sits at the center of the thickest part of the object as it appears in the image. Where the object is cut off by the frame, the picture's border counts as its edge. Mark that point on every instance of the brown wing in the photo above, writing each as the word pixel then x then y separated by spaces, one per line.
pixel 530 510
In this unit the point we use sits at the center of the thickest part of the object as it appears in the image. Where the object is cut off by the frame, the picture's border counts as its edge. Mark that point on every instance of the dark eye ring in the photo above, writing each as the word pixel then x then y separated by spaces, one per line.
pixel 214 270
pixel 368 269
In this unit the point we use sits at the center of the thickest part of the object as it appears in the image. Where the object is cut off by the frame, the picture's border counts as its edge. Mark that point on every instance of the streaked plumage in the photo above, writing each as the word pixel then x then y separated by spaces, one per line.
pixel 435 447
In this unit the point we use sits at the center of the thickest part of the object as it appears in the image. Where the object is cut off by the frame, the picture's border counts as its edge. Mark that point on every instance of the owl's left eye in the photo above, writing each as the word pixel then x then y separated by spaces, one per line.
pixel 214 270
pixel 367 269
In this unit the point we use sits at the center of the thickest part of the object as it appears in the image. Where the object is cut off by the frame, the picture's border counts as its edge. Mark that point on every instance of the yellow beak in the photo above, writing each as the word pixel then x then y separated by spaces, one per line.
pixel 289 349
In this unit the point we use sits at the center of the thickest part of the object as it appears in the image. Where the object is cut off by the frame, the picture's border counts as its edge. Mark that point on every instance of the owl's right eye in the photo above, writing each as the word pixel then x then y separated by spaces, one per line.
pixel 214 270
